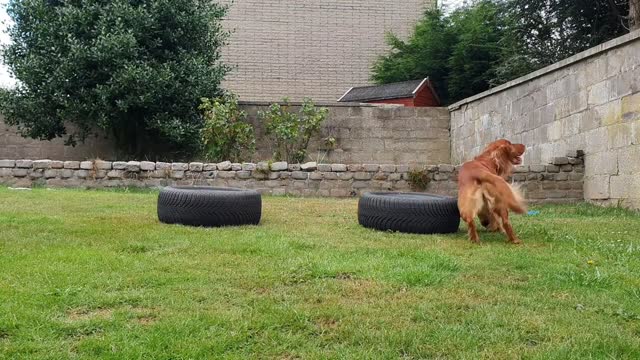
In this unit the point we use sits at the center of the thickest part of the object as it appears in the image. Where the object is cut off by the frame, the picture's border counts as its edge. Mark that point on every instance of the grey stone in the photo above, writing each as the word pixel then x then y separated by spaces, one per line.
pixel 236 166
pixel 361 175
pixel 115 174
pixel 177 166
pixel 243 174
pixel 279 166
pixel 66 173
pixel 227 174
pixel 575 176
pixel 86 165
pixel 163 166
pixel 24 164
pixel 446 168
pixel 50 173
pixel 56 164
pixel 7 163
pixel 224 166
pixel 41 164
pixel 344 175
pixel 74 165
pixel 388 168
pixel 147 165
pixel 248 166
pixel 119 165
pixel 263 166
pixel 563 176
pixel 371 167
pixel 553 168
pixel 441 177
pixel 537 168
pixel 330 175
pixel 338 167
pixel 133 166
pixel 316 175
pixel 177 174
pixel 81 174
pixel 355 167
pixel 300 175
pixel 402 168
pixel 102 165
pixel 562 160
pixel 196 166
pixel 309 166
pixel 294 167
pixel 20 172
pixel 521 169
pixel 566 168
pixel 209 167
pixel 324 167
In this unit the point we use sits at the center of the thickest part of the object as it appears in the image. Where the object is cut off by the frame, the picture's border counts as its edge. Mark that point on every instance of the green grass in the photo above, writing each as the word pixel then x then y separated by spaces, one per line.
pixel 92 274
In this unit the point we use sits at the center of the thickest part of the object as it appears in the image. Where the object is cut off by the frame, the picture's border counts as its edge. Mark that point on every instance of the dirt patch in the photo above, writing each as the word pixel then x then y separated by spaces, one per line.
pixel 75 315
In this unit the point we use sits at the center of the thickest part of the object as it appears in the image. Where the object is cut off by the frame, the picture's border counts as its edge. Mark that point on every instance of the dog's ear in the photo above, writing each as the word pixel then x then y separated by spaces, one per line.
pixel 501 157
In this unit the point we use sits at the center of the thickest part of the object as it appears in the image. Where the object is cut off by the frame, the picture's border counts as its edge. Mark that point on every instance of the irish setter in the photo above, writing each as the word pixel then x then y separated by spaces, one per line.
pixel 484 193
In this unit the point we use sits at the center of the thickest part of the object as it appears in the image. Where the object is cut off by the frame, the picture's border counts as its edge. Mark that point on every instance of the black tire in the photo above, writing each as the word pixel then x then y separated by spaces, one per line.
pixel 409 212
pixel 209 206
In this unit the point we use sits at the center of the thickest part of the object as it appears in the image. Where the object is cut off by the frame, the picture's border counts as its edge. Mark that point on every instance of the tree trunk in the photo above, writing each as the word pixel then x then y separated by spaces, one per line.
pixel 634 14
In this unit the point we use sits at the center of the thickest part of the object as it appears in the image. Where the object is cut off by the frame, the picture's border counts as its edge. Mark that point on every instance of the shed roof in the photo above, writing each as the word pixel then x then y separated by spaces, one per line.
pixel 396 90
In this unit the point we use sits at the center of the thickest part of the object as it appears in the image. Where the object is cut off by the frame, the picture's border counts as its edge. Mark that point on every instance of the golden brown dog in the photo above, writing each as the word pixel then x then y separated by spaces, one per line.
pixel 483 191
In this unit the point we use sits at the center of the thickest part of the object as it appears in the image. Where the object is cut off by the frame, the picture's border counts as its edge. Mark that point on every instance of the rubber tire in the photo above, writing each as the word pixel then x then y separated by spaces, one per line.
pixel 209 206
pixel 416 213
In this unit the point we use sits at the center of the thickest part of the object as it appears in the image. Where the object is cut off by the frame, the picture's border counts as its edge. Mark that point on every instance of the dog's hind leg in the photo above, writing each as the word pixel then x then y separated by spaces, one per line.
pixel 508 229
pixel 469 203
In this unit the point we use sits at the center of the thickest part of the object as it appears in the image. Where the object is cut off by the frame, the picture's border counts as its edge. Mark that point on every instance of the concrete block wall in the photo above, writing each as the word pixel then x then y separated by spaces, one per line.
pixel 318 49
pixel 371 134
pixel 551 183
pixel 588 102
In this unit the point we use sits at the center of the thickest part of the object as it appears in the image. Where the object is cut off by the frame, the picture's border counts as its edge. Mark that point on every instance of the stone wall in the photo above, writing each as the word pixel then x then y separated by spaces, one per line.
pixel 372 134
pixel 364 133
pixel 560 182
pixel 14 146
pixel 318 49
pixel 588 102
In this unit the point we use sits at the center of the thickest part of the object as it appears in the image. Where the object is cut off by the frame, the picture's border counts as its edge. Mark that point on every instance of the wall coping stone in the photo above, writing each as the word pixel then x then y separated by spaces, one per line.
pixel 604 47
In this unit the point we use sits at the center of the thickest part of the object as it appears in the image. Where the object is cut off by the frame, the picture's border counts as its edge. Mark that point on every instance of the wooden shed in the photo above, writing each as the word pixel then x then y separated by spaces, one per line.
pixel 414 93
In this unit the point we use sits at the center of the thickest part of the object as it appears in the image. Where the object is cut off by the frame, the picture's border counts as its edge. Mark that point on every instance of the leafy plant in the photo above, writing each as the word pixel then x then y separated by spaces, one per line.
pixel 226 135
pixel 133 69
pixel 291 132
pixel 419 179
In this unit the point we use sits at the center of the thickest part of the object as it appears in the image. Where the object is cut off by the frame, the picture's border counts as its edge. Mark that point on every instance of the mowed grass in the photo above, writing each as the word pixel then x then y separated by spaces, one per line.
pixel 93 274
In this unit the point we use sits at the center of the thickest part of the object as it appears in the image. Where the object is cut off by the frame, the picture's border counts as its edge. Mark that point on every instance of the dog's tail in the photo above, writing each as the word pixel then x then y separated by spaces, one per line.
pixel 498 189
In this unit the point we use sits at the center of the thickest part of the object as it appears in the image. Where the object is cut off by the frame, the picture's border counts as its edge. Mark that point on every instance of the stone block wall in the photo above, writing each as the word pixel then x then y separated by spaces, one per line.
pixel 304 48
pixel 371 134
pixel 588 102
pixel 560 182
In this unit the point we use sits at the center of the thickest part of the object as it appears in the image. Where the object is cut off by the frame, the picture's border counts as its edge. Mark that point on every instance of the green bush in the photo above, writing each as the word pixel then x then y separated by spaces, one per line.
pixel 133 69
pixel 226 135
pixel 291 132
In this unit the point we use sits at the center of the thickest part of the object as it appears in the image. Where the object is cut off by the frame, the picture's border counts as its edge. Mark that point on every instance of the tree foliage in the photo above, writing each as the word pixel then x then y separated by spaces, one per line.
pixel 493 41
pixel 135 69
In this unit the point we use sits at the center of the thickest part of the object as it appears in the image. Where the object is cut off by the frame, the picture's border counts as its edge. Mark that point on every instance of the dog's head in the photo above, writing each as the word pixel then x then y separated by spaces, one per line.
pixel 505 154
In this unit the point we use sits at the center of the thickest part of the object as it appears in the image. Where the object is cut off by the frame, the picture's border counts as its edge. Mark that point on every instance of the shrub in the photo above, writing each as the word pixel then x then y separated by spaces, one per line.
pixel 291 132
pixel 226 135
pixel 133 69
pixel 419 179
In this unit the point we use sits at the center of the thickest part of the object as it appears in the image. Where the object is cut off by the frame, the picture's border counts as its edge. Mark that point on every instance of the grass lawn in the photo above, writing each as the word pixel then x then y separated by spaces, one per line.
pixel 92 274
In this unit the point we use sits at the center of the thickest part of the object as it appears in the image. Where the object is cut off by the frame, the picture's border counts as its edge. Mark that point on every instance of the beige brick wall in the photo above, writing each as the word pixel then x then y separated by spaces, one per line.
pixel 315 48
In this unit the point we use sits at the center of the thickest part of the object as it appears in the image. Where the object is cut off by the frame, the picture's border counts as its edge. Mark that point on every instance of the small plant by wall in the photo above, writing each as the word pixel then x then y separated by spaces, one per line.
pixel 419 179
pixel 226 135
pixel 291 132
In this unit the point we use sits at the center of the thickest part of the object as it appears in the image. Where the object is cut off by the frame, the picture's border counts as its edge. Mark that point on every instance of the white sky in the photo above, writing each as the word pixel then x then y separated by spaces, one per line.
pixel 6 80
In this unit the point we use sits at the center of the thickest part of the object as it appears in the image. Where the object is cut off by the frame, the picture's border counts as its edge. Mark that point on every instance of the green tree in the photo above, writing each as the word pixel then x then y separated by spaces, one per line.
pixel 457 52
pixel 135 69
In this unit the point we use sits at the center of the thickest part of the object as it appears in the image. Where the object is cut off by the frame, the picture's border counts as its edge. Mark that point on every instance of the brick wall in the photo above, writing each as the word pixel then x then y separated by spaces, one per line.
pixel 552 183
pixel 319 48
pixel 588 102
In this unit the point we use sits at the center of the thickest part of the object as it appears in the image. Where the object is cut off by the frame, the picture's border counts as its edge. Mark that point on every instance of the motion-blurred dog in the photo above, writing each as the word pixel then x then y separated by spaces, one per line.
pixel 483 191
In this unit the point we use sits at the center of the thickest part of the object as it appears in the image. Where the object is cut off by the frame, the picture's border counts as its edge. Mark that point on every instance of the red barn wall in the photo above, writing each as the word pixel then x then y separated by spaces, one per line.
pixel 424 98
pixel 403 101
